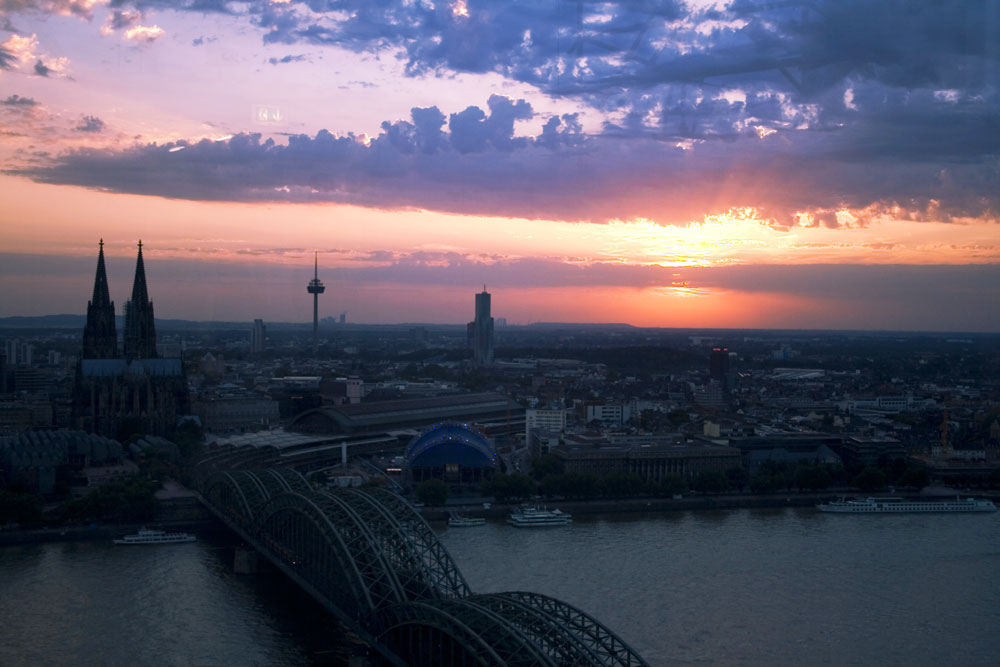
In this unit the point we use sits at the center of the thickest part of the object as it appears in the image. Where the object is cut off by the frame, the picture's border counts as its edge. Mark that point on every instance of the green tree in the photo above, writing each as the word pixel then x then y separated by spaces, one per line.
pixel 915 476
pixel 512 487
pixel 812 477
pixel 669 486
pixel 432 492
pixel 581 485
pixel 869 479
pixel 738 478
pixel 766 482
pixel 130 499
pixel 710 481
pixel 22 508
pixel 551 485
pixel 545 465
pixel 622 485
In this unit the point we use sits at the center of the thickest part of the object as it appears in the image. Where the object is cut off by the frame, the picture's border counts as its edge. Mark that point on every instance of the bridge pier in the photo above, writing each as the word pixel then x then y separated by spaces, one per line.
pixel 246 561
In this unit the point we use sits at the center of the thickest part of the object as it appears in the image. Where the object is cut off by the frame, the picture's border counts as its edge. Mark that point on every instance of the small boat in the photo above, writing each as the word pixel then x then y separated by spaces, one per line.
pixel 149 536
pixel 900 505
pixel 527 517
pixel 458 521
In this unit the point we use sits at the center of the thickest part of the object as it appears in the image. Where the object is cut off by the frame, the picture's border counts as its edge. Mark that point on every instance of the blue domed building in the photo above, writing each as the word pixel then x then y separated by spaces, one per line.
pixel 451 452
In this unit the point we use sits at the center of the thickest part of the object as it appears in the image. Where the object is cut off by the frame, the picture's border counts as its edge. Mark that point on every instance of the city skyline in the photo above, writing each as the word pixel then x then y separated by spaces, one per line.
pixel 700 164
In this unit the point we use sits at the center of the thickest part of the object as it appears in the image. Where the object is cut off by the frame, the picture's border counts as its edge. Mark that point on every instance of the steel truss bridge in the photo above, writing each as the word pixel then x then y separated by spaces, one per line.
pixel 369 558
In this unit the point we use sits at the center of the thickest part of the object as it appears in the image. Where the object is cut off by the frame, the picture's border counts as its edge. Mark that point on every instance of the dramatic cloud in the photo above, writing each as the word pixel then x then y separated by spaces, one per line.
pixel 90 124
pixel 803 113
pixel 18 101
pixel 80 8
pixel 20 50
pixel 7 59
pixel 287 59
pixel 120 19
pixel 474 162
pixel 145 34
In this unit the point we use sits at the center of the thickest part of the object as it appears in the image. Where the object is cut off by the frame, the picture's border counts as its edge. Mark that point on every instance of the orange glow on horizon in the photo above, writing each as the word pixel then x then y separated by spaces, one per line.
pixel 67 221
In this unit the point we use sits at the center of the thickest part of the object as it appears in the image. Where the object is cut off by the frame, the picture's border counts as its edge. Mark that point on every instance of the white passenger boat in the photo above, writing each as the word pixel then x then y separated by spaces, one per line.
pixel 901 505
pixel 527 517
pixel 459 521
pixel 148 536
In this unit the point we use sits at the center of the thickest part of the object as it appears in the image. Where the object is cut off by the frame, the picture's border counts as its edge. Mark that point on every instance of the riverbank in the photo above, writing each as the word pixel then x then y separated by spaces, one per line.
pixel 172 513
pixel 686 504
pixel 184 512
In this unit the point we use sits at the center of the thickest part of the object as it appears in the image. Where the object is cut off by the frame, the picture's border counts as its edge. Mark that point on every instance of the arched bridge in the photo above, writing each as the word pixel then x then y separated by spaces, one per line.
pixel 372 560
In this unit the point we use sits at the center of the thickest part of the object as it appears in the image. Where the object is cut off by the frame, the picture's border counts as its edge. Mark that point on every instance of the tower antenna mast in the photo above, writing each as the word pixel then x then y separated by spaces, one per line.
pixel 315 287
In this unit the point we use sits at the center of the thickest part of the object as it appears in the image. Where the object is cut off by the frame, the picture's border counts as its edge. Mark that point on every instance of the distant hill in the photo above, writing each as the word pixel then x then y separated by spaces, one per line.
pixel 79 321
pixel 581 325
pixel 45 322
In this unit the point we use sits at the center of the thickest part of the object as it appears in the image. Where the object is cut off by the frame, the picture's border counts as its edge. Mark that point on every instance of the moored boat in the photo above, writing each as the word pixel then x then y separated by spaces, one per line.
pixel 527 517
pixel 149 536
pixel 458 521
pixel 902 505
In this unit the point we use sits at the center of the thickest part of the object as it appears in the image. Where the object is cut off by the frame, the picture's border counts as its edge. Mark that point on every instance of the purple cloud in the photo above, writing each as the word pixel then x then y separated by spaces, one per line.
pixel 480 166
pixel 90 124
pixel 19 101
pixel 780 107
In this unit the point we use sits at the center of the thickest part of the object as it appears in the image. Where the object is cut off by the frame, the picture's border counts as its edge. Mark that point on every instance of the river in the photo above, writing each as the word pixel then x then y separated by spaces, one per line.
pixel 733 587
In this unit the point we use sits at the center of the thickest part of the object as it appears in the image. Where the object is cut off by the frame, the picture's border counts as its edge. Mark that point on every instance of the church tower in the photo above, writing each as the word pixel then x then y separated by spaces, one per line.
pixel 140 334
pixel 100 337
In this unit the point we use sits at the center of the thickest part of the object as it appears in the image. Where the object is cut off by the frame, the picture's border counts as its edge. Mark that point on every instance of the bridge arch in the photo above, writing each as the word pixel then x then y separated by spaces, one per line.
pixel 444 574
pixel 425 567
pixel 304 537
pixel 456 632
pixel 375 562
pixel 609 647
pixel 512 628
pixel 235 494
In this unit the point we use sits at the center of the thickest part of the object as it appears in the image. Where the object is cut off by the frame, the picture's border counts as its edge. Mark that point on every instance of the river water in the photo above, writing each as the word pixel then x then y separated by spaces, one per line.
pixel 739 587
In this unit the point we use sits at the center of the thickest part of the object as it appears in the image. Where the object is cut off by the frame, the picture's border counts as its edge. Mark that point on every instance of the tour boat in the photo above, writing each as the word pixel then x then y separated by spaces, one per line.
pixel 527 517
pixel 459 521
pixel 900 505
pixel 148 536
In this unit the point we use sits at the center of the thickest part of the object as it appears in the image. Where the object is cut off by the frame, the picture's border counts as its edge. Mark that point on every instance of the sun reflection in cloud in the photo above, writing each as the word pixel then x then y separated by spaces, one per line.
pixel 741 236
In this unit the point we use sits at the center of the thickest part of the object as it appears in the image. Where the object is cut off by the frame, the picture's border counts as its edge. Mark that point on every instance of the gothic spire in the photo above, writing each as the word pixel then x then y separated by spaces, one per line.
pixel 140 294
pixel 102 296
pixel 140 331
pixel 100 336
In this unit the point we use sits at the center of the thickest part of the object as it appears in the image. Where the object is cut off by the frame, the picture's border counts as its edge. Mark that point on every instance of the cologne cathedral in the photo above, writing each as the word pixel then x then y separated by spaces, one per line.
pixel 135 391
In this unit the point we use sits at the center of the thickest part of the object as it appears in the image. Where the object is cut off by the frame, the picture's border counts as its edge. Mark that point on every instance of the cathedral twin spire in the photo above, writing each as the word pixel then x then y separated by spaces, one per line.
pixel 140 332
pixel 100 339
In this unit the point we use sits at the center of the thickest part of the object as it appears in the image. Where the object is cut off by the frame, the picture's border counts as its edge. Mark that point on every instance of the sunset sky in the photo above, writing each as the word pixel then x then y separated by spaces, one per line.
pixel 656 162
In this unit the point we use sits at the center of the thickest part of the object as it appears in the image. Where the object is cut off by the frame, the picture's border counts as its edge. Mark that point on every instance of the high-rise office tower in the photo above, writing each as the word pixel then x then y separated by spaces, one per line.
pixel 481 329
pixel 100 336
pixel 140 331
pixel 315 288
pixel 257 337
pixel 721 368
